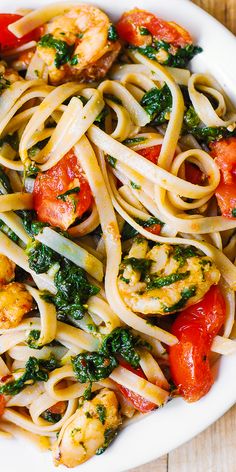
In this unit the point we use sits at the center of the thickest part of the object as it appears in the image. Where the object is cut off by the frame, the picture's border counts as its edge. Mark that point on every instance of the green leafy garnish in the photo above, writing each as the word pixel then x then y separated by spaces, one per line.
pixel 159 282
pixel 186 294
pixel 234 212
pixel 63 50
pixel 8 231
pixel 122 341
pixel 94 366
pixel 157 103
pixel 112 161
pixel 74 60
pixel 112 33
pixel 51 417
pixel 32 339
pixel 144 31
pixel 109 435
pixel 69 192
pixel 133 141
pixel 40 257
pixel 35 370
pixel 135 186
pixel 102 413
pixel 142 265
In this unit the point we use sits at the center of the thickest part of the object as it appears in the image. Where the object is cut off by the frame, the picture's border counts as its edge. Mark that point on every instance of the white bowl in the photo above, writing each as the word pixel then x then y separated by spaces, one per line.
pixel 167 428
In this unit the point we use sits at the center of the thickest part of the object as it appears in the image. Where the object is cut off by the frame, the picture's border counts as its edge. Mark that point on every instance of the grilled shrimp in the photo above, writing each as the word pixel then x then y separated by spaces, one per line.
pixel 87 430
pixel 166 278
pixel 15 302
pixel 7 270
pixel 7 76
pixel 76 45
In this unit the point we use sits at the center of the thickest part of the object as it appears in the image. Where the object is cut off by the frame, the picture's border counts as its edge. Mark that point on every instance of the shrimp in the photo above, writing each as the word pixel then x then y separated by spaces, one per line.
pixel 166 278
pixel 87 430
pixel 15 302
pixel 76 45
pixel 7 76
pixel 7 270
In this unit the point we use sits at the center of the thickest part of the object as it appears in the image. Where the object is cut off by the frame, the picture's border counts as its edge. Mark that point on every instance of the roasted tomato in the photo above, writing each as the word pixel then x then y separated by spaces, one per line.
pixel 193 174
pixel 195 329
pixel 2 404
pixel 58 409
pixel 224 152
pixel 139 403
pixel 7 39
pixel 135 26
pixel 151 153
pixel 62 193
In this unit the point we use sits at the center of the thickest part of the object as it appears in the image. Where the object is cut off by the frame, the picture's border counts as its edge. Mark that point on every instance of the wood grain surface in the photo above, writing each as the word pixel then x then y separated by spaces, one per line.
pixel 214 449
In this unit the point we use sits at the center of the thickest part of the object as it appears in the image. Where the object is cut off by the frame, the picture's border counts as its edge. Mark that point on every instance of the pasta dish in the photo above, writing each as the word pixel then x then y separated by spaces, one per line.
pixel 117 224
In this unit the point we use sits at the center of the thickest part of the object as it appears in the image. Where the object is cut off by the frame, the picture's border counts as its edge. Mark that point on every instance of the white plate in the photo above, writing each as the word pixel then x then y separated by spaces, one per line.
pixel 176 423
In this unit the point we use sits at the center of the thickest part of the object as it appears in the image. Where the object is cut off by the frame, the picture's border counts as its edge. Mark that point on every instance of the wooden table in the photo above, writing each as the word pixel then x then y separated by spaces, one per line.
pixel 214 449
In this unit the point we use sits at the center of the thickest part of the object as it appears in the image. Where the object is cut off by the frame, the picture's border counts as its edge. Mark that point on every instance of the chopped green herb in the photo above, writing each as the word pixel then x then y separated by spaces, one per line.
pixel 142 265
pixel 186 294
pixel 8 231
pixel 71 191
pixel 112 161
pixel 32 339
pixel 51 417
pixel 122 341
pixel 79 35
pixel 157 103
pixel 102 413
pixel 180 59
pixel 234 212
pixel 112 33
pixel 74 60
pixel 63 50
pixel 40 257
pixel 94 366
pixel 109 435
pixel 144 31
pixel 133 141
pixel 35 370
pixel 181 254
pixel 159 282
pixel 135 186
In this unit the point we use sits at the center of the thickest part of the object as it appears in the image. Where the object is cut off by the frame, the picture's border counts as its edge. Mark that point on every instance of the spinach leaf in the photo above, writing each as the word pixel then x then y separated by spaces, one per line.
pixel 186 294
pixel 73 291
pixel 94 366
pixel 40 257
pixel 35 370
pixel 159 282
pixel 63 50
pixel 142 265
pixel 29 220
pixel 51 417
pixel 157 103
pixel 180 58
pixel 8 231
pixel 129 232
pixel 109 435
pixel 112 33
pixel 204 134
pixel 122 341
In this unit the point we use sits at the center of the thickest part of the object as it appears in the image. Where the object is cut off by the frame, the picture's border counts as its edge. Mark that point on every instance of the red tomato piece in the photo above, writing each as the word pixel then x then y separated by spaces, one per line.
pixel 151 153
pixel 226 198
pixel 7 39
pixel 58 408
pixel 128 28
pixel 50 203
pixel 193 174
pixel 154 229
pixel 140 403
pixel 2 404
pixel 195 329
pixel 224 152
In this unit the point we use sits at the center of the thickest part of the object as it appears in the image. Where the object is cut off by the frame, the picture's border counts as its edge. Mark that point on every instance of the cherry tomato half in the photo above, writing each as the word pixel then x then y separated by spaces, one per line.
pixel 7 39
pixel 2 404
pixel 224 153
pixel 139 403
pixel 195 329
pixel 54 199
pixel 131 26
